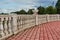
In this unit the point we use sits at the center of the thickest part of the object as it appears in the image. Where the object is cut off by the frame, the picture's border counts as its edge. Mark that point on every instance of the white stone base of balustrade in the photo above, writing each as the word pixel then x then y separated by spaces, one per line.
pixel 22 29
pixel 3 38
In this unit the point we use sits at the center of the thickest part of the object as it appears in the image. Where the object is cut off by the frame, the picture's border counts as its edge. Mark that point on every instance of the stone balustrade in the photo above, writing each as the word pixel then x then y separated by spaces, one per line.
pixel 12 24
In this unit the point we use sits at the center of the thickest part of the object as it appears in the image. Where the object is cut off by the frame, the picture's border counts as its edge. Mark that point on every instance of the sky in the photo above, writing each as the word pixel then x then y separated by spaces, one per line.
pixel 7 6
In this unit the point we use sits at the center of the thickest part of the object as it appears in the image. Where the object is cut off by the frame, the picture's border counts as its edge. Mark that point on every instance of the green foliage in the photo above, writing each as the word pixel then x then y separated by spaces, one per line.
pixel 30 11
pixel 20 12
pixel 50 10
pixel 17 12
pixel 58 6
pixel 41 10
pixel 3 13
pixel 54 11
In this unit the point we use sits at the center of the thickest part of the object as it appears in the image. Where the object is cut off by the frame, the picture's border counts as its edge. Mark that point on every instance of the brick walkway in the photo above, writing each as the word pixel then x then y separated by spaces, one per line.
pixel 47 31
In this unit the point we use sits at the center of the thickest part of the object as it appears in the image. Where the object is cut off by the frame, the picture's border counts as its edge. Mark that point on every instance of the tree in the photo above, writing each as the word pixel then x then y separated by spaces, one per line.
pixel 54 11
pixel 50 10
pixel 30 11
pixel 20 12
pixel 41 10
pixel 58 6
pixel 17 12
pixel 3 13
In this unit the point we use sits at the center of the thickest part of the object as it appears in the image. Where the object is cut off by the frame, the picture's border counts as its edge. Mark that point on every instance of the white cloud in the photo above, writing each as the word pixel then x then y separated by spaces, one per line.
pixel 15 5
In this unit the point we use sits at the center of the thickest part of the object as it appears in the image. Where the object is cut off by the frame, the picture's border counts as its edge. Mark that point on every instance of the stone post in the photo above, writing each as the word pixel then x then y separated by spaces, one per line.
pixel 36 14
pixel 58 16
pixel 14 23
pixel 47 19
pixel 15 29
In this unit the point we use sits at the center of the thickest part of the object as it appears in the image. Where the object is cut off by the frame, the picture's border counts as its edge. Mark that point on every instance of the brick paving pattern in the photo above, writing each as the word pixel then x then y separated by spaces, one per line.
pixel 46 31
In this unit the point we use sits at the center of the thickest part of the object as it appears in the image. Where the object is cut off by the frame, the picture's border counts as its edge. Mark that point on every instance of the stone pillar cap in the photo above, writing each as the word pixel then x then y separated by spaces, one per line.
pixel 35 12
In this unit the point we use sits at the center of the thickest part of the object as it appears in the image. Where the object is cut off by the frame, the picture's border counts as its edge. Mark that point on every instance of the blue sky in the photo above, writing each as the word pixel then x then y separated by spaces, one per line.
pixel 7 6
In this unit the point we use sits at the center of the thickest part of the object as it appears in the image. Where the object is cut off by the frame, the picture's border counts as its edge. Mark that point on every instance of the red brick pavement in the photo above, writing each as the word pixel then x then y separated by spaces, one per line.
pixel 47 31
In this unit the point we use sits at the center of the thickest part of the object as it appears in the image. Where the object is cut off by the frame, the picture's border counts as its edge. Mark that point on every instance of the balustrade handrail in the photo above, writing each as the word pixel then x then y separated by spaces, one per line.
pixel 12 24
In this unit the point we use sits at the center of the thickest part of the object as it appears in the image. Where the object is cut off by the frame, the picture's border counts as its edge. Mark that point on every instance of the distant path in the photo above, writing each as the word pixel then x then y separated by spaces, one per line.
pixel 47 31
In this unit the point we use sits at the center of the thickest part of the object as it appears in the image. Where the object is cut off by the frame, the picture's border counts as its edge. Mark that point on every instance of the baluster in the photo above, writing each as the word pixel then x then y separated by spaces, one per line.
pixel 9 25
pixel 34 21
pixel 11 21
pixel 59 16
pixel 23 22
pixel 20 22
pixel 14 22
pixel 27 21
pixel 5 26
pixel 1 28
